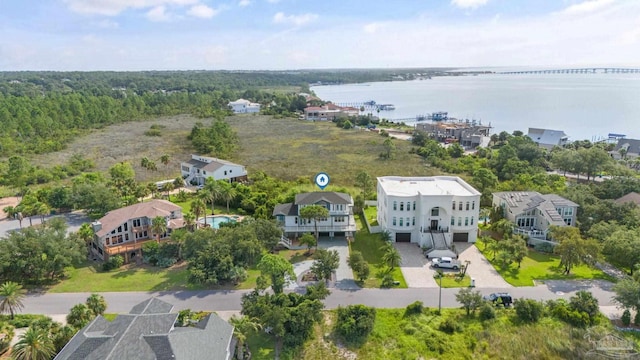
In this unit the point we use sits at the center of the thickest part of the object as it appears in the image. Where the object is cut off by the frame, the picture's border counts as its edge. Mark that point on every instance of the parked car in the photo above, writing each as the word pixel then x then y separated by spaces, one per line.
pixel 498 299
pixel 445 263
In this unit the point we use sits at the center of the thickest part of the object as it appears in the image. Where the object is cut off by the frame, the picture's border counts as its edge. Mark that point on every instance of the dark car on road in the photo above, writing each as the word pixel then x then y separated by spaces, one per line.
pixel 498 299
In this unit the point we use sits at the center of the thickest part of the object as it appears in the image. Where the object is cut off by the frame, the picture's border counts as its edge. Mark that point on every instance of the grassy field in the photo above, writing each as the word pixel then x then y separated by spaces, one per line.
pixel 450 281
pixel 395 336
pixel 369 245
pixel 540 266
pixel 371 212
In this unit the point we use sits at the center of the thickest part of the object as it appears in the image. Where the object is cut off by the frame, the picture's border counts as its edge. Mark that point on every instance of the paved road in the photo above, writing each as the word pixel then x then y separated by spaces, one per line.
pixel 74 221
pixel 52 304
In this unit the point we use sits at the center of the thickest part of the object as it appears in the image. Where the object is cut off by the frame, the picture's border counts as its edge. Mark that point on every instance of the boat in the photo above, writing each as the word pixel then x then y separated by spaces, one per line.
pixel 370 102
pixel 386 107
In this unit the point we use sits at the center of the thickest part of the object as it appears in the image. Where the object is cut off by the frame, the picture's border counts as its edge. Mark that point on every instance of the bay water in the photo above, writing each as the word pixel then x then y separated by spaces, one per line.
pixel 584 106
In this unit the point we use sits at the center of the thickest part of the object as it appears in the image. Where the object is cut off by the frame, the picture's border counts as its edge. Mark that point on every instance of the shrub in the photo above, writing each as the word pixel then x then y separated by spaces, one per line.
pixel 114 262
pixel 544 247
pixel 626 317
pixel 528 310
pixel 387 281
pixel 487 311
pixel 153 132
pixel 450 326
pixel 414 308
pixel 21 320
pixel 355 322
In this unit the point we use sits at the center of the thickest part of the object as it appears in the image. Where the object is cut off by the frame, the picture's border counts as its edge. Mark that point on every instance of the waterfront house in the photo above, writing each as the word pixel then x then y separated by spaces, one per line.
pixel 547 139
pixel 432 212
pixel 151 331
pixel 329 112
pixel 469 134
pixel 123 231
pixel 626 149
pixel 196 170
pixel 339 223
pixel 242 106
pixel 533 213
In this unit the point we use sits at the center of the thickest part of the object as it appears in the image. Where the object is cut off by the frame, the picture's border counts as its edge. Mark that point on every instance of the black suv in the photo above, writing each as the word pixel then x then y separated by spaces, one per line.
pixel 498 299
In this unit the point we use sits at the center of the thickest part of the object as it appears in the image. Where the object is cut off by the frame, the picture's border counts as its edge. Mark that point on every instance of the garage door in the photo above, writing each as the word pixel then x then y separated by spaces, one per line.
pixel 403 237
pixel 461 237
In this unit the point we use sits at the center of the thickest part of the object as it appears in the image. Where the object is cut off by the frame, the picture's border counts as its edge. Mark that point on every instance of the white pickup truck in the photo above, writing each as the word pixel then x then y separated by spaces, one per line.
pixel 446 263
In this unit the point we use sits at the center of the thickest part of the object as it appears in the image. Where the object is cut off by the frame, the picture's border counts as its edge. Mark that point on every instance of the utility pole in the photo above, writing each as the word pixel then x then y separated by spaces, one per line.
pixel 440 274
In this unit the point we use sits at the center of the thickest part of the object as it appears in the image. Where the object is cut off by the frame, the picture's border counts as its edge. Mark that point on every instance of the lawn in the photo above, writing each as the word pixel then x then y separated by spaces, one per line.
pixel 541 266
pixel 371 212
pixel 89 278
pixel 451 281
pixel 296 256
pixel 369 245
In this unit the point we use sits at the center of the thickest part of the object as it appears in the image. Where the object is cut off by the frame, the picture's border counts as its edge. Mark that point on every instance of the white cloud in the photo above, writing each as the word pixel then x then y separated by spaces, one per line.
pixel 158 13
pixel 588 6
pixel 244 3
pixel 469 4
pixel 371 28
pixel 202 11
pixel 298 20
pixel 115 7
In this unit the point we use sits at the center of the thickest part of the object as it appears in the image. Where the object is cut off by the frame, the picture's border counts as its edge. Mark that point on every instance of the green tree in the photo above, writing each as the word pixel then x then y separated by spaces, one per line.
pixel 470 300
pixel 168 187
pixel 198 207
pixel 189 221
pixel 573 249
pixel 389 148
pixel 212 191
pixel 627 293
pixel 158 227
pixel 390 257
pixel 327 261
pixel 309 240
pixel 355 322
pixel 164 159
pixel 529 310
pixel 359 265
pixel 584 302
pixel 79 316
pixel 315 213
pixel 85 232
pixel 34 344
pixel 227 193
pixel 123 178
pixel 243 327
pixel 11 295
pixel 622 248
pixel 277 270
pixel 365 183
pixel 96 304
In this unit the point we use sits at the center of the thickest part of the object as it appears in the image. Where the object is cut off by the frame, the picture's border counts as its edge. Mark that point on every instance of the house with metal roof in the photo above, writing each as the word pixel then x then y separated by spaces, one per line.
pixel 534 214
pixel 151 331
pixel 199 168
pixel 339 223
pixel 626 149
pixel 123 231
pixel 547 139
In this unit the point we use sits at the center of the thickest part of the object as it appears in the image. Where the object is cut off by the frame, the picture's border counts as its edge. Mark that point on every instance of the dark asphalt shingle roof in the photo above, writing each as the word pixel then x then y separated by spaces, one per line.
pixel 632 197
pixel 328 196
pixel 287 209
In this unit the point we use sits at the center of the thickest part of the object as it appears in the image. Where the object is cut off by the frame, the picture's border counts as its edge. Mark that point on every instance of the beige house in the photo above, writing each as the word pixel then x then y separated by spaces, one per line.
pixel 123 231
pixel 199 168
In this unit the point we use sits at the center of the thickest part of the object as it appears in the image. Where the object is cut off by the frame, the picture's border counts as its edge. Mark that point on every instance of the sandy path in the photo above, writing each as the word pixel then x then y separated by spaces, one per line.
pixel 8 201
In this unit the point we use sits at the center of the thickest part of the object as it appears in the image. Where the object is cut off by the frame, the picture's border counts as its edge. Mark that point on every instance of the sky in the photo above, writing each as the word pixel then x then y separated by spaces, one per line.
pixel 65 35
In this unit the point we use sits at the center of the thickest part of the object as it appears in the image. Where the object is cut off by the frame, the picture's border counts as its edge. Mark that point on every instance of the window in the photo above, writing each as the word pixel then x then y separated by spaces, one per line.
pixel 401 221
pixel 472 220
pixel 295 220
pixel 435 212
pixel 413 221
pixel 395 205
pixel 225 172
pixel 126 237
pixel 126 226
pixel 453 220
pixel 107 241
pixel 473 205
pixel 454 206
pixel 401 206
pixel 408 222
pixel 567 221
pixel 459 221
pixel 394 221
pixel 414 206
pixel 466 221
pixel 467 208
pixel 460 205
pixel 119 228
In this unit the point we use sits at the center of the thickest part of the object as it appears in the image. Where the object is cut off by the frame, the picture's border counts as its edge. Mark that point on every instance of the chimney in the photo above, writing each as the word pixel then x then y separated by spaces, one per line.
pixel 96 226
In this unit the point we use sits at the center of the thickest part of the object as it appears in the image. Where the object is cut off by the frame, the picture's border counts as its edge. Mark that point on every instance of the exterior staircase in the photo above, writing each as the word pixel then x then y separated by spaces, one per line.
pixel 284 241
pixel 440 248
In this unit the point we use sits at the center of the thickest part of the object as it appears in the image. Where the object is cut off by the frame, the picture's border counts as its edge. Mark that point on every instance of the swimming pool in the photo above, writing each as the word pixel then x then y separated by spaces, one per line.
pixel 215 221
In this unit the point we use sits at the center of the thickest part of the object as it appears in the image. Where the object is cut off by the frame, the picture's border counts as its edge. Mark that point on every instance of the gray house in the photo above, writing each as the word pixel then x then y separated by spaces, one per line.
pixel 626 148
pixel 149 331
pixel 547 139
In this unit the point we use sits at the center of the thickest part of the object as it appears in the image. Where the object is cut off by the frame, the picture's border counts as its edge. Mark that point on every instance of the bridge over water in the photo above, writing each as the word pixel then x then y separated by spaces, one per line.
pixel 592 70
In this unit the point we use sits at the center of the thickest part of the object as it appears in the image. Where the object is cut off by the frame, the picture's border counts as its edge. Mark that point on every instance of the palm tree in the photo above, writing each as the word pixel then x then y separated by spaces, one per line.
pixel 212 189
pixel 43 210
pixel 96 304
pixel 79 316
pixel 144 163
pixel 189 220
pixel 34 344
pixel 12 294
pixel 168 187
pixel 242 327
pixel 391 256
pixel 198 207
pixel 227 193
pixel 10 211
pixel 158 226
pixel 164 159
pixel 152 188
pixel 85 232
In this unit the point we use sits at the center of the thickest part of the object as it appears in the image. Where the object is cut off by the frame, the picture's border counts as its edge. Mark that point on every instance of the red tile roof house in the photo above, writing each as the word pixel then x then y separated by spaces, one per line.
pixel 123 231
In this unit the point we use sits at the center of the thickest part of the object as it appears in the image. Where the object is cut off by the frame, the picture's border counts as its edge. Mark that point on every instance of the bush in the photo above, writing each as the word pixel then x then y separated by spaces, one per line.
pixel 414 308
pixel 544 247
pixel 355 322
pixel 387 281
pixel 22 320
pixel 626 317
pixel 114 262
pixel 450 326
pixel 487 311
pixel 529 310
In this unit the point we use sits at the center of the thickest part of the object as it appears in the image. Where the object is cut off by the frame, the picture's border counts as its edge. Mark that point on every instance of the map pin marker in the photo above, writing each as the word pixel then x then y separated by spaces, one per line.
pixel 322 180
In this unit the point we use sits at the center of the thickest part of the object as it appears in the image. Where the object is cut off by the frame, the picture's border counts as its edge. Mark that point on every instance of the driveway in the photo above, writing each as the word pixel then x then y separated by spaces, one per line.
pixel 479 267
pixel 344 275
pixel 74 221
pixel 415 266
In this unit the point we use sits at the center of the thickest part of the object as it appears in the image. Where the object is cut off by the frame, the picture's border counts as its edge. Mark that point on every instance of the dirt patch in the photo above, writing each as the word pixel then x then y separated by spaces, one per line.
pixel 8 201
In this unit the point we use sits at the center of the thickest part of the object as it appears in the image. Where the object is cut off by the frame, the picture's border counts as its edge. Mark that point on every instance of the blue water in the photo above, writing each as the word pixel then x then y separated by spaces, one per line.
pixel 584 106
pixel 215 221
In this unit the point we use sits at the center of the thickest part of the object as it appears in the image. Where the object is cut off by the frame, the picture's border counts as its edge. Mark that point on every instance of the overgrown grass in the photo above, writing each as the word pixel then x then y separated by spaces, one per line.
pixel 371 212
pixel 90 278
pixel 369 245
pixel 296 256
pixel 451 281
pixel 540 266
pixel 261 345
